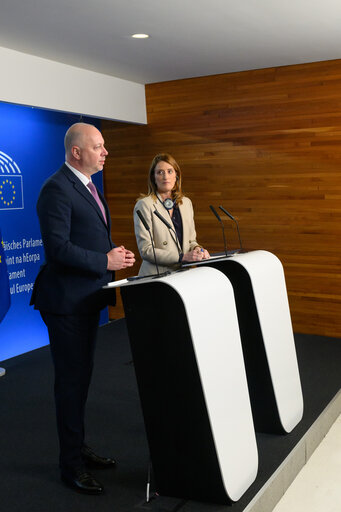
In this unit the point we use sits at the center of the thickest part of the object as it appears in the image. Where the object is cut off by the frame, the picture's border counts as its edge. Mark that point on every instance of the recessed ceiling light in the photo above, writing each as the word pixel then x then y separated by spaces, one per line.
pixel 140 36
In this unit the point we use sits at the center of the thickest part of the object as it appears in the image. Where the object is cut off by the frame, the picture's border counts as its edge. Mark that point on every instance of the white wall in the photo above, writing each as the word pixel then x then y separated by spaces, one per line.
pixel 33 81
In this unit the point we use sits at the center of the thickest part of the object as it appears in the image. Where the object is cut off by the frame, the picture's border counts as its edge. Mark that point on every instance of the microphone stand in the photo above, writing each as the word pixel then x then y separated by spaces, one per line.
pixel 143 220
pixel 232 218
pixel 222 225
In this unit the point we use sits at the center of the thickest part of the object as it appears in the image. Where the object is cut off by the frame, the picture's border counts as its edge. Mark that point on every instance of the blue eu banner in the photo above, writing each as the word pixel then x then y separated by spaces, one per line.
pixel 31 149
pixel 5 297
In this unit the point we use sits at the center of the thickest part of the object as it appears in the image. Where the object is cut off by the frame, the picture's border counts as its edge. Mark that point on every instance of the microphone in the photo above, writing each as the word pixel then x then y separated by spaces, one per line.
pixel 222 225
pixel 235 220
pixel 166 223
pixel 143 220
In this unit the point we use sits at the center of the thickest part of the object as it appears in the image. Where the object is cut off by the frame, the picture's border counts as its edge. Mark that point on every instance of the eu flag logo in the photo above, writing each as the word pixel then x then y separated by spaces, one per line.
pixel 11 184
pixel 11 196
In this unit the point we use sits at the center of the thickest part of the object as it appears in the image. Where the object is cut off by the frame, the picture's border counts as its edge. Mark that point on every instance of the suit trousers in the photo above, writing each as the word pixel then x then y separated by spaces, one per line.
pixel 72 344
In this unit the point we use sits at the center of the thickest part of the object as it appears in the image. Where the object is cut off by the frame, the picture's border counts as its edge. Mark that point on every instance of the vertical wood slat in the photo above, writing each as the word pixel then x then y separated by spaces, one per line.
pixel 266 144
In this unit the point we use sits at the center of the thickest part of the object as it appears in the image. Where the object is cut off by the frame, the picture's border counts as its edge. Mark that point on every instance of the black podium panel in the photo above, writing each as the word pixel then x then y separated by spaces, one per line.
pixel 183 452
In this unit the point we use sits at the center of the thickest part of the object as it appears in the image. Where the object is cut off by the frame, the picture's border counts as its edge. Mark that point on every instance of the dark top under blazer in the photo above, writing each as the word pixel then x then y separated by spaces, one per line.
pixel 76 240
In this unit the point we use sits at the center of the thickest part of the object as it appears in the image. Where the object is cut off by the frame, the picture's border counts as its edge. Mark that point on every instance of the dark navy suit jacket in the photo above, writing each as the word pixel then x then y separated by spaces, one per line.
pixel 76 240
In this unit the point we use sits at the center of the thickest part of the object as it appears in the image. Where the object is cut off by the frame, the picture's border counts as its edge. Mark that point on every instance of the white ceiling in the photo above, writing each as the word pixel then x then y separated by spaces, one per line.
pixel 189 38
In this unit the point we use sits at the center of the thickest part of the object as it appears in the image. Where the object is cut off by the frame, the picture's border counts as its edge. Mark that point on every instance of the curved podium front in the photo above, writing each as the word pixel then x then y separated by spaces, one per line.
pixel 267 337
pixel 186 346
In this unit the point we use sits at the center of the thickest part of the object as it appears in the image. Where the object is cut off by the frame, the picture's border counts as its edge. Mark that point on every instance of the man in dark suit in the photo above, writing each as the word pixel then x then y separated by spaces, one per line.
pixel 80 258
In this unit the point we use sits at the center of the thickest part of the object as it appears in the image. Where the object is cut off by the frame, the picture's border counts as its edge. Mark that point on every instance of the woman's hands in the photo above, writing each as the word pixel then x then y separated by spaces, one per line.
pixel 197 254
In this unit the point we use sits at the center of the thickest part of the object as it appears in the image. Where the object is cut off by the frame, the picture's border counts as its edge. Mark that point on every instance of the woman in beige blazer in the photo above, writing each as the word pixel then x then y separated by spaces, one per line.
pixel 175 245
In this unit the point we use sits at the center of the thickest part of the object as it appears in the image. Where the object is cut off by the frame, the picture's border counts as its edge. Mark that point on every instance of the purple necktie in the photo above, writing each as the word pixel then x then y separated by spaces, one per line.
pixel 94 193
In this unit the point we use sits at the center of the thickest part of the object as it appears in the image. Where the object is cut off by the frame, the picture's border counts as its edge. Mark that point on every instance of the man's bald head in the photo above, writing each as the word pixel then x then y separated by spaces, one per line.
pixel 75 136
pixel 84 148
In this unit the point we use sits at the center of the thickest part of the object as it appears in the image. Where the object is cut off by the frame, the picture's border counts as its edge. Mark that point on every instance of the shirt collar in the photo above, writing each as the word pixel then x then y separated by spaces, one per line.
pixel 79 175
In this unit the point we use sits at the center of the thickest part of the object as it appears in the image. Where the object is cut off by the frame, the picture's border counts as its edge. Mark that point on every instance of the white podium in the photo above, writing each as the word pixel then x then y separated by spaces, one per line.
pixel 267 337
pixel 186 346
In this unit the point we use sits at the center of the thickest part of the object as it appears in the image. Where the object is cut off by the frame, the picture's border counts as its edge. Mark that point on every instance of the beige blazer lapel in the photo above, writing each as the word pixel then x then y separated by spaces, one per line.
pixel 185 226
pixel 189 233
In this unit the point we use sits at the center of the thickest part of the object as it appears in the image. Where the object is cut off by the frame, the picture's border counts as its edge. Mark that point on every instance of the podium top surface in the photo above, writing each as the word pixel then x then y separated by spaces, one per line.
pixel 172 279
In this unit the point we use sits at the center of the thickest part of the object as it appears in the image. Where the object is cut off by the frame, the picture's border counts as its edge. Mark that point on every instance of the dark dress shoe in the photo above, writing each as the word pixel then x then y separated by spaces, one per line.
pixel 95 461
pixel 82 482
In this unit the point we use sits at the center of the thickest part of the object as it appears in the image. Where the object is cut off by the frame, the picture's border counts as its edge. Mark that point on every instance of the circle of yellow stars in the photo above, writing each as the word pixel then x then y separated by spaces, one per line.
pixel 7 184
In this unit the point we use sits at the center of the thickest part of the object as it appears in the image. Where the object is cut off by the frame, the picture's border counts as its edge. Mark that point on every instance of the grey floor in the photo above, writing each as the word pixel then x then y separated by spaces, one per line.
pixel 29 478
pixel 318 485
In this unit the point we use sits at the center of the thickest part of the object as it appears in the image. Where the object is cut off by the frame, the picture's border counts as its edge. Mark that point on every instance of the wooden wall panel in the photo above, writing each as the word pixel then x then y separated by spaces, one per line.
pixel 266 144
